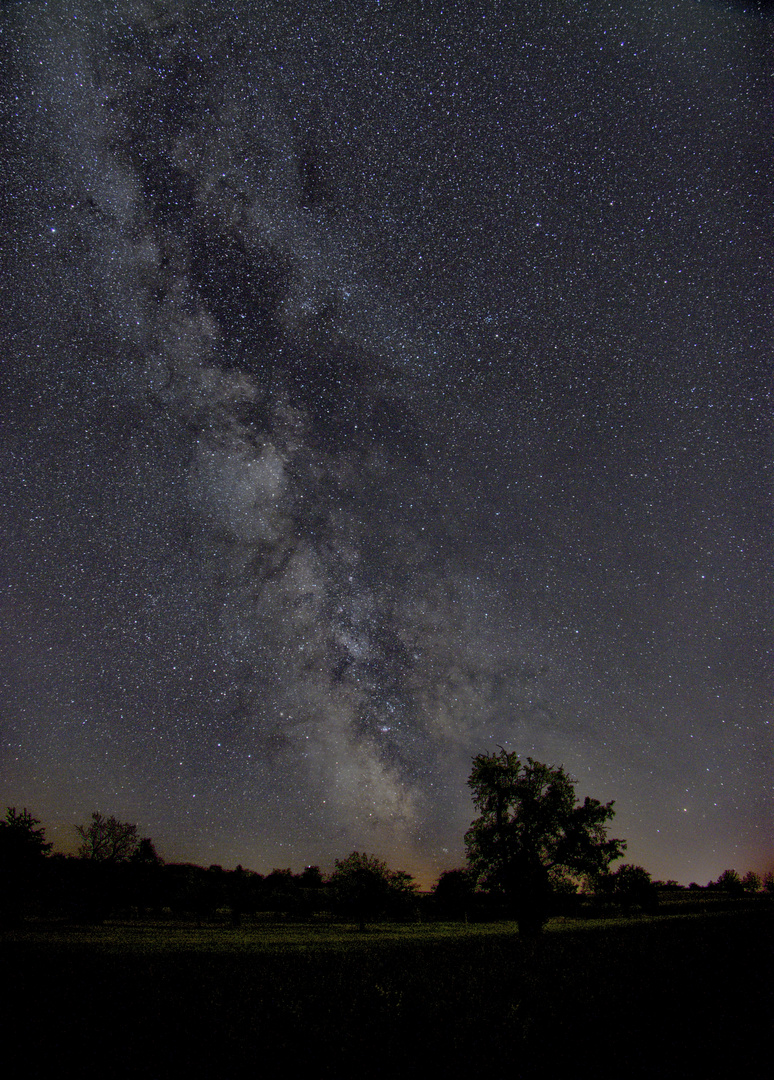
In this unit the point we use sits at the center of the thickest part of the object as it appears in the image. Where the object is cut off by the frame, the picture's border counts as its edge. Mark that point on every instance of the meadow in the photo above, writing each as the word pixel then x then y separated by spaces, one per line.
pixel 674 994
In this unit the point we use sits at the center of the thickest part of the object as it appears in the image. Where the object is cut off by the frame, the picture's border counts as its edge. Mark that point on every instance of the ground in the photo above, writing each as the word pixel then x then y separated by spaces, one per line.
pixel 676 994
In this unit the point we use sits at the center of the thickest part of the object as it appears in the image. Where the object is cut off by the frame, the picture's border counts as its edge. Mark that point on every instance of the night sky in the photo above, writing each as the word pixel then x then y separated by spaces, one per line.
pixel 383 383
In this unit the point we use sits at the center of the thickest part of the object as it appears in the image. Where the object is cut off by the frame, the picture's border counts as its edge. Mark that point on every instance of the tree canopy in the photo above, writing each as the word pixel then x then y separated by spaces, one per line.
pixel 22 840
pixel 532 839
pixel 107 839
pixel 23 851
pixel 364 887
pixel 629 886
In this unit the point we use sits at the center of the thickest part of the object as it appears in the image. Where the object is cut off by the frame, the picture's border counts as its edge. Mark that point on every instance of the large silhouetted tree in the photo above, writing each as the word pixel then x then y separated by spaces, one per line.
pixel 532 838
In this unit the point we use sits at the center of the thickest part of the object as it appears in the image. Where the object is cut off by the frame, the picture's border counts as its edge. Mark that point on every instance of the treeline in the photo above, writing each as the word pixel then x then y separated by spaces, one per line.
pixel 737 885
pixel 117 873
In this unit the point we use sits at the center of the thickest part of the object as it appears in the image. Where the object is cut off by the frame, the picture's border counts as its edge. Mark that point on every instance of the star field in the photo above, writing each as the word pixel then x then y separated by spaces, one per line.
pixel 384 383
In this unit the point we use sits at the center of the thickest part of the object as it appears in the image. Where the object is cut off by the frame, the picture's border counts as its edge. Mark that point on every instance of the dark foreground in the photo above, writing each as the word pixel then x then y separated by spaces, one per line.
pixel 685 996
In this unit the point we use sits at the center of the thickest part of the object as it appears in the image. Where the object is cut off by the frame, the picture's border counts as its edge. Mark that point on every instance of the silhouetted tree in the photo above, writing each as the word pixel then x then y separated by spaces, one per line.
pixel 313 895
pixel 140 877
pixel 189 889
pixel 730 882
pixel 751 882
pixel 107 839
pixel 629 886
pixel 531 839
pixel 363 888
pixel 311 878
pixel 22 839
pixel 105 853
pixel 282 892
pixel 239 893
pixel 454 894
pixel 145 853
pixel 402 895
pixel 23 850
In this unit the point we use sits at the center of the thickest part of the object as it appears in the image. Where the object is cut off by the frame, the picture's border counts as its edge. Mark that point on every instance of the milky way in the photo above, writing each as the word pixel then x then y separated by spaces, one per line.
pixel 386 383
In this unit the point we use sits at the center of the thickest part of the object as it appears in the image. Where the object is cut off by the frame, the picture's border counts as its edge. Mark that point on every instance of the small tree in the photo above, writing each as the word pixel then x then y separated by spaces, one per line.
pixel 454 894
pixel 311 878
pixel 107 839
pixel 402 895
pixel 364 888
pixel 145 853
pixel 631 886
pixel 531 839
pixel 21 839
pixel 282 892
pixel 730 882
pixel 751 882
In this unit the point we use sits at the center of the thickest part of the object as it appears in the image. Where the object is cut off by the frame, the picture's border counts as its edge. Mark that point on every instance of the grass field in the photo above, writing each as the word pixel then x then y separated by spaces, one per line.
pixel 677 994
